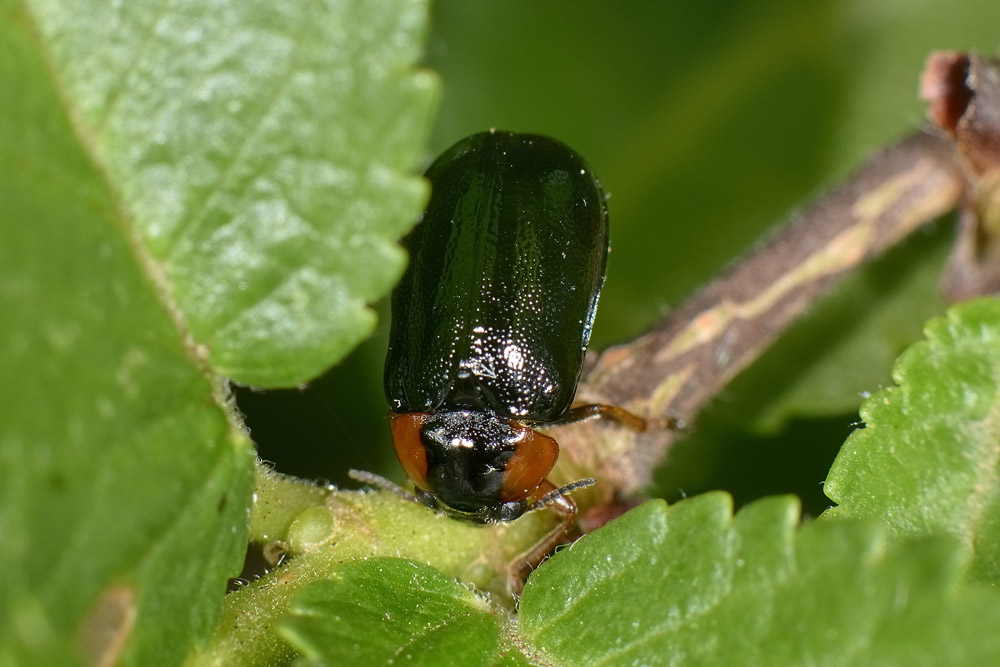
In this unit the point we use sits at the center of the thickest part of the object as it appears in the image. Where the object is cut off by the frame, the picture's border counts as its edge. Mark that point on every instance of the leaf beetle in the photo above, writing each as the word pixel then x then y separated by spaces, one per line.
pixel 490 325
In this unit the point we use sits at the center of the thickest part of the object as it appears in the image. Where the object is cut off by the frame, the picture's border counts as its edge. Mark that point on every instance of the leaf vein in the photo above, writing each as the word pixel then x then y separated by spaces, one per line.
pixel 237 159
pixel 120 86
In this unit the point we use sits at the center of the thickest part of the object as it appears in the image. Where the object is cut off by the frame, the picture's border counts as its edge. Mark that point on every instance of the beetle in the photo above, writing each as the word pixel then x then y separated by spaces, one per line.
pixel 490 325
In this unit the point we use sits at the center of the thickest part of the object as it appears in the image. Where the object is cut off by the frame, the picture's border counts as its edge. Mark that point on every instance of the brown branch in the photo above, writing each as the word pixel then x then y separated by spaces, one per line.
pixel 689 356
pixel 684 361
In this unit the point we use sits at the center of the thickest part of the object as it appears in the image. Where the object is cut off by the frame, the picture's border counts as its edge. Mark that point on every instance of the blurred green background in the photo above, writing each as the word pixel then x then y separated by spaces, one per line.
pixel 707 124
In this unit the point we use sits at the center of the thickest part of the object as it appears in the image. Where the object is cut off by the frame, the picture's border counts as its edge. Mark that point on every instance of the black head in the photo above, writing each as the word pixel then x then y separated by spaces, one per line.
pixel 474 465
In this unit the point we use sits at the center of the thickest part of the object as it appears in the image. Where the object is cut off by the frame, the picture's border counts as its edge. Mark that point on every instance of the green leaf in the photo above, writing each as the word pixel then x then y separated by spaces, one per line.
pixel 387 610
pixel 124 490
pixel 260 150
pixel 690 585
pixel 188 189
pixel 927 460
pixel 685 585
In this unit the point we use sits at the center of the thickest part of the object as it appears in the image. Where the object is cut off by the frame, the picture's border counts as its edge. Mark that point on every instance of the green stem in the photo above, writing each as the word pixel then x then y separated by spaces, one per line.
pixel 320 529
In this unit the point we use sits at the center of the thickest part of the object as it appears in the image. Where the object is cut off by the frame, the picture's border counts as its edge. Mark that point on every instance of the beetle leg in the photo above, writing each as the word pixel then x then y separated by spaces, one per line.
pixel 620 415
pixel 559 501
pixel 380 482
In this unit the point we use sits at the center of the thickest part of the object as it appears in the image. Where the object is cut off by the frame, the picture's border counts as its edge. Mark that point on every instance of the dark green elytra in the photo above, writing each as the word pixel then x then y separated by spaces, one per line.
pixel 495 309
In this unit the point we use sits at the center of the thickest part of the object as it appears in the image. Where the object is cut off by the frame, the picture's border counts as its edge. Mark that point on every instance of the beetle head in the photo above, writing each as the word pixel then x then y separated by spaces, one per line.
pixel 474 465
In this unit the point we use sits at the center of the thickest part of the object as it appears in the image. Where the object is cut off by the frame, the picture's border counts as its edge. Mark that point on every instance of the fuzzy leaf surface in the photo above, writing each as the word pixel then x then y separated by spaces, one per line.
pixel 124 491
pixel 686 585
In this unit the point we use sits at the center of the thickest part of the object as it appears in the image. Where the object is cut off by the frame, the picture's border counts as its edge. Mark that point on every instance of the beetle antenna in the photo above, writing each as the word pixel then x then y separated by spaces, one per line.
pixel 561 492
pixel 380 482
